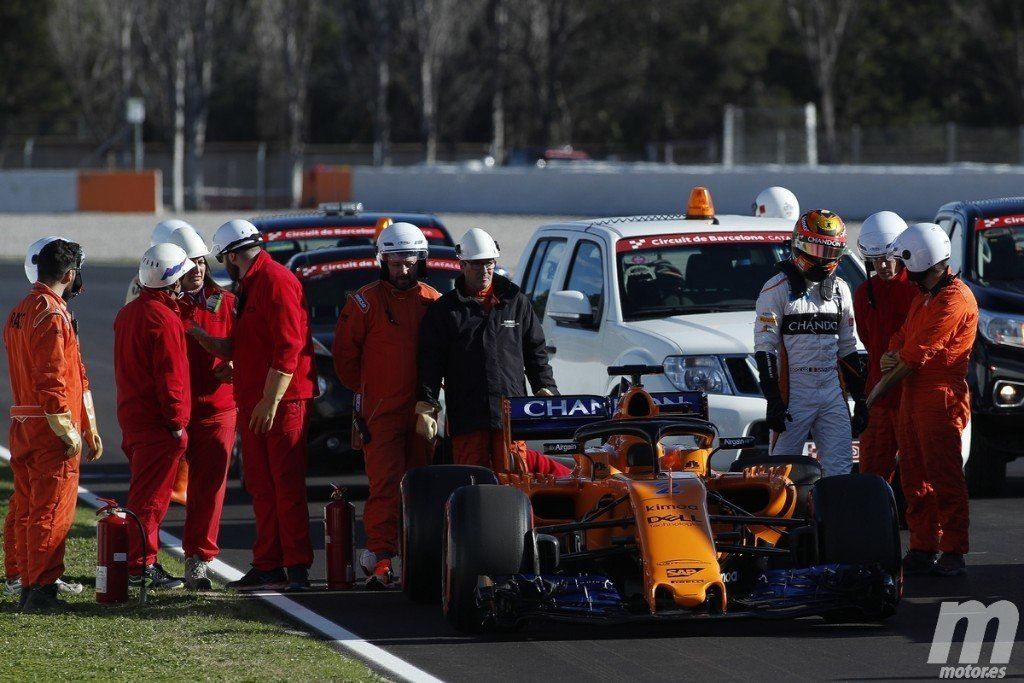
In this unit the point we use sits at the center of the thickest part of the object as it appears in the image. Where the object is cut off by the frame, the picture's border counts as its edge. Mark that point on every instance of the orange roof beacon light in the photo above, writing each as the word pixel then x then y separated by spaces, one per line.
pixel 382 223
pixel 700 206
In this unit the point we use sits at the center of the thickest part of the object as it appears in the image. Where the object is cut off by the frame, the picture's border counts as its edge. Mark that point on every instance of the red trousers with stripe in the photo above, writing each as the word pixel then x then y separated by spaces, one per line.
pixel 210 442
pixel 153 457
pixel 274 465
pixel 45 493
pixel 394 449
pixel 11 570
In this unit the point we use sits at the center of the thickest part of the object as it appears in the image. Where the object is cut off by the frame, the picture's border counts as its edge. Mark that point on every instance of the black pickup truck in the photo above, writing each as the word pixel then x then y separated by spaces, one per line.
pixel 987 248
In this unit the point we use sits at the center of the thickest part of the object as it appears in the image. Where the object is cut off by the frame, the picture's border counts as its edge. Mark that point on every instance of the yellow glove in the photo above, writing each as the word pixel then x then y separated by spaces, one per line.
pixel 92 434
pixel 545 392
pixel 61 425
pixel 273 391
pixel 426 420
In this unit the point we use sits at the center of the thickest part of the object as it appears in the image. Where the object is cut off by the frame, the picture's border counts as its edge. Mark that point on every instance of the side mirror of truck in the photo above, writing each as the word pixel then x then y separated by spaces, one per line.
pixel 570 308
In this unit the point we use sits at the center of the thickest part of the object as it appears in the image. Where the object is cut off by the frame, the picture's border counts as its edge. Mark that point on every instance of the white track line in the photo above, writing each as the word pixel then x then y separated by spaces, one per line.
pixel 340 637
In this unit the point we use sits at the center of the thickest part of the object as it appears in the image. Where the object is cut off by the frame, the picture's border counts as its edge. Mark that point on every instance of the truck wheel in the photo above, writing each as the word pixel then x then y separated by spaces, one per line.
pixel 985 470
pixel 486 530
pixel 856 520
pixel 425 491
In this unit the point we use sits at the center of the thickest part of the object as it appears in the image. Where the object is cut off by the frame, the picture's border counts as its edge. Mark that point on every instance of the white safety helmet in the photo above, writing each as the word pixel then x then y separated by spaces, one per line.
pixel 476 245
pixel 164 229
pixel 32 256
pixel 234 235
pixel 404 239
pixel 878 232
pixel 776 202
pixel 162 265
pixel 921 246
pixel 188 239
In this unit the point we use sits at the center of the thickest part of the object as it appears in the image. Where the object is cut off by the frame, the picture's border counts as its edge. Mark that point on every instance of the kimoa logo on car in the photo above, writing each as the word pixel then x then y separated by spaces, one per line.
pixel 978 616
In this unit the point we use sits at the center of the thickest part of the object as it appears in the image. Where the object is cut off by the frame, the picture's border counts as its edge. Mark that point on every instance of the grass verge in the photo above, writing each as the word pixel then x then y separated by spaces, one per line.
pixel 215 635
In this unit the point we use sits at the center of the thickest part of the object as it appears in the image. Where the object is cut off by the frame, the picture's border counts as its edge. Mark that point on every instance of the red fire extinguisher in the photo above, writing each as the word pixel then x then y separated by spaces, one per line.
pixel 112 553
pixel 339 540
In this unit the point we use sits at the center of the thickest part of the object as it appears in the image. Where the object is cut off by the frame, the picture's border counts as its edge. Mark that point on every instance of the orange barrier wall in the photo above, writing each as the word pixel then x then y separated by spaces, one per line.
pixel 326 184
pixel 125 191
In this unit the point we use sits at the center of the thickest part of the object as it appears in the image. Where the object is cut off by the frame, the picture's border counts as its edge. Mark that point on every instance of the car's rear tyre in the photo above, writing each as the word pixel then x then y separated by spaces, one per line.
pixel 487 529
pixel 857 523
pixel 425 490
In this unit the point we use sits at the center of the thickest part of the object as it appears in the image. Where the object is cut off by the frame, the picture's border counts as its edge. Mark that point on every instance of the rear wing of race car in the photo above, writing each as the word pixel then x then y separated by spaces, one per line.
pixel 558 417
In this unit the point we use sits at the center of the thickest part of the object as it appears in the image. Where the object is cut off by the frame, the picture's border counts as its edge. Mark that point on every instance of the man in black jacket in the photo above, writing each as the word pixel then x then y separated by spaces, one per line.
pixel 479 339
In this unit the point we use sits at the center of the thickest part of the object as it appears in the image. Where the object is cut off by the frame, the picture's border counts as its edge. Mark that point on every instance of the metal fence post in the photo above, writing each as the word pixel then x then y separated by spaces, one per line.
pixel 950 142
pixel 811 131
pixel 855 143
pixel 729 135
pixel 1020 145
pixel 261 175
pixel 26 152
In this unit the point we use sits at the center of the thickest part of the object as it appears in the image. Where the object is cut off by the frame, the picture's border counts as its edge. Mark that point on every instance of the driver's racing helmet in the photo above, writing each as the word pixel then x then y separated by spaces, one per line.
pixel 819 241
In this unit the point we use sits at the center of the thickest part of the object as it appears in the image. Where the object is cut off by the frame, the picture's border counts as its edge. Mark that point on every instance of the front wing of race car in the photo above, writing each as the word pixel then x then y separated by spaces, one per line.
pixel 865 591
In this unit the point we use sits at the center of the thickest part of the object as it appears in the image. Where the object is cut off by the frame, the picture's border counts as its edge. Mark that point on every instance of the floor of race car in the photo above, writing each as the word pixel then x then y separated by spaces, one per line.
pixel 733 649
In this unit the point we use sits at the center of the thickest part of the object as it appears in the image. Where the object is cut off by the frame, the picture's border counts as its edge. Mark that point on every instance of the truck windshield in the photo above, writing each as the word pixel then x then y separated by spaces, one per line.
pixel 1000 255
pixel 708 278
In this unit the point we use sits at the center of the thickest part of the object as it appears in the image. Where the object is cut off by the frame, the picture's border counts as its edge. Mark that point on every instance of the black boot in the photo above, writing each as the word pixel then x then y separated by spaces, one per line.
pixel 44 599
pixel 24 597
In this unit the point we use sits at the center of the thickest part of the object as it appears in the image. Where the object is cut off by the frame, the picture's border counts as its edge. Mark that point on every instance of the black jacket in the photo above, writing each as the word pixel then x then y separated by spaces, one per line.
pixel 480 356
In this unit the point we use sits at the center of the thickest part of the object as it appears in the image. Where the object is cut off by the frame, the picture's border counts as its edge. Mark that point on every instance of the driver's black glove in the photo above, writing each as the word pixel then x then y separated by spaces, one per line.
pixel 859 421
pixel 777 414
pixel 778 411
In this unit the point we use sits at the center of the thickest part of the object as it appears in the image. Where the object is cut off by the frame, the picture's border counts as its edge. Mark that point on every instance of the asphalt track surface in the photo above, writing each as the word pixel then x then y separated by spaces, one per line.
pixel 738 649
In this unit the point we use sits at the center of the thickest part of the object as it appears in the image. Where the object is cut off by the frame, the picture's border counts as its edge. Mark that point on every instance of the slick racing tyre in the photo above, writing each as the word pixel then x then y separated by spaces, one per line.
pixel 857 524
pixel 425 490
pixel 487 529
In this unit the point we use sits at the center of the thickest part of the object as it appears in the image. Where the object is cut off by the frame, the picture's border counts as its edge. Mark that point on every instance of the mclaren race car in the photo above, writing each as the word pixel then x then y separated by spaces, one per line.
pixel 643 528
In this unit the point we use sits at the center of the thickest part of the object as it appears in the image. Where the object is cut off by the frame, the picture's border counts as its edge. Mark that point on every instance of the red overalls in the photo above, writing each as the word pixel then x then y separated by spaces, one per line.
pixel 876 324
pixel 211 430
pixel 272 332
pixel 47 377
pixel 154 399
pixel 936 343
pixel 375 356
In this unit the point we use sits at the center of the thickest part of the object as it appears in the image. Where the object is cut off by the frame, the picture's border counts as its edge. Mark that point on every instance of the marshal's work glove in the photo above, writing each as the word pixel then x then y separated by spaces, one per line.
pixel 545 392
pixel 778 410
pixel 92 434
pixel 426 420
pixel 859 421
pixel 61 425
pixel 263 414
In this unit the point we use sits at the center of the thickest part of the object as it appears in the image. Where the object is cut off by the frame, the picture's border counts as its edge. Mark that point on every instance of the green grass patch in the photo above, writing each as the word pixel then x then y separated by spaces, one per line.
pixel 180 635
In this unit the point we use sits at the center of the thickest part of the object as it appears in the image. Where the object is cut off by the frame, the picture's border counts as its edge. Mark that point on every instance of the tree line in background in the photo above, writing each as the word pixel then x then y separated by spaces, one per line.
pixel 509 74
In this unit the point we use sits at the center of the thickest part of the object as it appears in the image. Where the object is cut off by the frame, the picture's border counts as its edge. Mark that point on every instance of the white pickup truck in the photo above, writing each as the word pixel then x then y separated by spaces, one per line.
pixel 660 290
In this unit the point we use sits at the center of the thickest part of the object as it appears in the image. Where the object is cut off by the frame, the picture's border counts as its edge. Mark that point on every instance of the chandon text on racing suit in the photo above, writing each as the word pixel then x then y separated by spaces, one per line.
pixel 809 327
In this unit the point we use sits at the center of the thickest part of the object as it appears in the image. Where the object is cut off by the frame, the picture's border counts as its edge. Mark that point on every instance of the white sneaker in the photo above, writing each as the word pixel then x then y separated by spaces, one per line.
pixel 196 578
pixel 69 587
pixel 368 561
pixel 12 586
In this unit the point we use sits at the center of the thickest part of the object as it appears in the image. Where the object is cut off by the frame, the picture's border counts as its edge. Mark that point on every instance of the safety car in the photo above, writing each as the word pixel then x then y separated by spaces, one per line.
pixel 670 290
pixel 644 528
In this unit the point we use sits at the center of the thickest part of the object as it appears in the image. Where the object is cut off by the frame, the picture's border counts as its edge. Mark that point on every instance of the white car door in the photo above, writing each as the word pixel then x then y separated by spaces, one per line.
pixel 576 347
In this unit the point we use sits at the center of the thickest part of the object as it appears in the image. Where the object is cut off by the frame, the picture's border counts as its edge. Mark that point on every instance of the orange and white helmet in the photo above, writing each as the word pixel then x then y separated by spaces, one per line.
pixel 819 241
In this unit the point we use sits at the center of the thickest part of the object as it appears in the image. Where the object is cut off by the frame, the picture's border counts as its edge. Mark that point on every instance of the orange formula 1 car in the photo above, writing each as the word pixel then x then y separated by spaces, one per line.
pixel 643 528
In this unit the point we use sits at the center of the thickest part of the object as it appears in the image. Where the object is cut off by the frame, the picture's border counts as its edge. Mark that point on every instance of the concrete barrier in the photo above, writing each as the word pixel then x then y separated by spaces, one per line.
pixel 38 191
pixel 612 189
